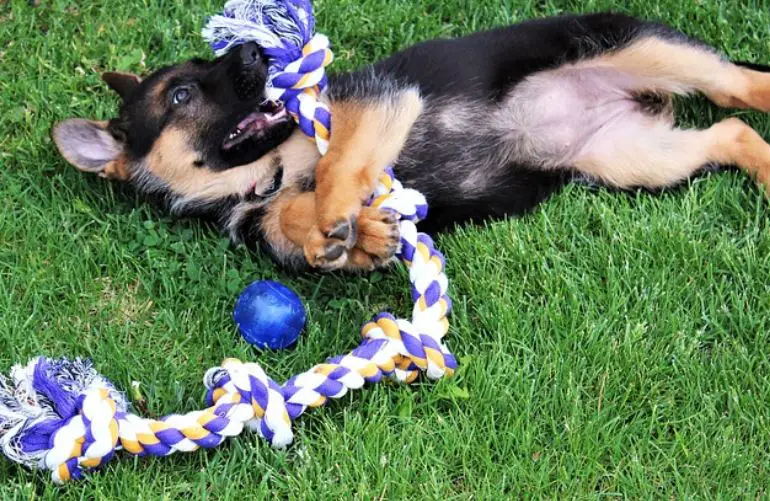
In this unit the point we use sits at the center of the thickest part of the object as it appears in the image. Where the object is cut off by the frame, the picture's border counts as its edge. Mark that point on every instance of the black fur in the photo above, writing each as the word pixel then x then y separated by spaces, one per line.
pixel 488 64
pixel 754 66
pixel 481 69
pixel 223 91
pixel 466 164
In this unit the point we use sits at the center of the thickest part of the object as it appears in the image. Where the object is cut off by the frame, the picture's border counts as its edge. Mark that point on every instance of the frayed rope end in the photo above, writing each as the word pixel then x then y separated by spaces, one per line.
pixel 39 398
pixel 280 27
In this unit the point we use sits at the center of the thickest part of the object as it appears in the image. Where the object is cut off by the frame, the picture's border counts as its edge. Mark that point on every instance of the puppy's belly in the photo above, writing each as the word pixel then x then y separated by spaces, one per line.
pixel 555 117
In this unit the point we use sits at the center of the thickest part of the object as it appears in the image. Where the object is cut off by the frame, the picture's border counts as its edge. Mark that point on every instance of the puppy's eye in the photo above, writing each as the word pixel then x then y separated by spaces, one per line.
pixel 181 95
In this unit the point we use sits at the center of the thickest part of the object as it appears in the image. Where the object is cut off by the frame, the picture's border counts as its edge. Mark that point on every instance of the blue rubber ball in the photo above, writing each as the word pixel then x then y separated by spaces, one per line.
pixel 269 315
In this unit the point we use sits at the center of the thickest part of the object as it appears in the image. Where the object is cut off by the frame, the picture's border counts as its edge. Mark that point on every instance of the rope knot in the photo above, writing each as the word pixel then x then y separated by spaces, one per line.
pixel 64 416
pixel 87 440
pixel 245 393
pixel 299 86
pixel 389 194
pixel 418 351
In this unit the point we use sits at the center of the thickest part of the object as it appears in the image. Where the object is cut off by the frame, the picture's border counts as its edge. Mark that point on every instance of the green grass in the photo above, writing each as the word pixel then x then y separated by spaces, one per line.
pixel 610 345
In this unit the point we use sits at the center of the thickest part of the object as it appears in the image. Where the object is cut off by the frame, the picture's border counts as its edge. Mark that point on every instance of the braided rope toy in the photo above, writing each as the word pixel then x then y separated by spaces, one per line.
pixel 63 416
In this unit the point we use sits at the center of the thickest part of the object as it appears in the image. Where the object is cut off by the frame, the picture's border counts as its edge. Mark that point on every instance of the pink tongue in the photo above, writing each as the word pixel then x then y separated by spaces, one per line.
pixel 253 117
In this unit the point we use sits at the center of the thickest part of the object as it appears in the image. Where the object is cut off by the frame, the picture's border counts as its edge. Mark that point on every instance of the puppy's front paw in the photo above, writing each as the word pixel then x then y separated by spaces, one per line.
pixel 338 218
pixel 328 246
pixel 344 230
pixel 378 234
pixel 324 252
pixel 363 246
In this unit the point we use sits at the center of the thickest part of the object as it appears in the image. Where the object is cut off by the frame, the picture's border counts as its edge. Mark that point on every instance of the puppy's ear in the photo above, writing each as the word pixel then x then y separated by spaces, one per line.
pixel 91 148
pixel 122 83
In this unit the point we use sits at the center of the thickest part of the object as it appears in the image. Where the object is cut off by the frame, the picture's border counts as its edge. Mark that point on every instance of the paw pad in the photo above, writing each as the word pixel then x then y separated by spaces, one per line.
pixel 345 230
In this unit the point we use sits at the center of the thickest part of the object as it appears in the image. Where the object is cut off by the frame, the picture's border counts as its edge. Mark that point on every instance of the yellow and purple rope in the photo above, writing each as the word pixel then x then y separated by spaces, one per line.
pixel 62 416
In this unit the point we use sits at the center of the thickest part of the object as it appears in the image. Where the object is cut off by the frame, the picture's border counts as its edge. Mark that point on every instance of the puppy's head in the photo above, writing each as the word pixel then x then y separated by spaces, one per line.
pixel 200 136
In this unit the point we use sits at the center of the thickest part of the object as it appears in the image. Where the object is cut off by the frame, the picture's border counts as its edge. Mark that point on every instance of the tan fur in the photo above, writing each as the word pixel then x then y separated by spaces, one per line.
pixel 659 156
pixel 738 144
pixel 377 241
pixel 368 136
pixel 158 93
pixel 297 214
pixel 172 158
pixel 289 219
pixel 682 68
pixel 649 151
pixel 377 234
pixel 118 169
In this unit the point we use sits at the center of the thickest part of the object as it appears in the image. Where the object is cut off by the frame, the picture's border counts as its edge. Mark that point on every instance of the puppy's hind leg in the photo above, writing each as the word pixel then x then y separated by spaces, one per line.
pixel 681 66
pixel 650 153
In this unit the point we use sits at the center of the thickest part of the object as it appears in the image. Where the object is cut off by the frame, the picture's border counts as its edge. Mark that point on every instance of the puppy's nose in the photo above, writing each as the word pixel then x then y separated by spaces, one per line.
pixel 249 54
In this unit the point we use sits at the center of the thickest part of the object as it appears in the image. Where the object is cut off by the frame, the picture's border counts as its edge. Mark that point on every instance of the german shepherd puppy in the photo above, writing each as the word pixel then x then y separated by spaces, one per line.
pixel 485 126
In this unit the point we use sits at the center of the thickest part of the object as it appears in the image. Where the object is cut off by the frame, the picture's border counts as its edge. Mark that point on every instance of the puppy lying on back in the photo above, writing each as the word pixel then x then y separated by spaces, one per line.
pixel 485 126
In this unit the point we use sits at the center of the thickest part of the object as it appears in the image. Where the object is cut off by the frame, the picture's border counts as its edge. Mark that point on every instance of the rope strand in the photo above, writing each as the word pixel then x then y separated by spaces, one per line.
pixel 62 416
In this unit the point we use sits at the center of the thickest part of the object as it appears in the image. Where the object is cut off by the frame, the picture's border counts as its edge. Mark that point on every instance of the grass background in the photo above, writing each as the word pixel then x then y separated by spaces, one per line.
pixel 610 345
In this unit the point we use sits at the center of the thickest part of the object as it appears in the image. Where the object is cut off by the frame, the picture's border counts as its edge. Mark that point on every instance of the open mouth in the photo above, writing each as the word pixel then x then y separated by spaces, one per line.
pixel 256 124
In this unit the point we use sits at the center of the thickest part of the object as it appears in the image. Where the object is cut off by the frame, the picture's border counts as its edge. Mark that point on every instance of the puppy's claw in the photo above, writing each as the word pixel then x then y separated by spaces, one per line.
pixel 345 230
pixel 379 234
pixel 324 253
pixel 333 251
pixel 357 244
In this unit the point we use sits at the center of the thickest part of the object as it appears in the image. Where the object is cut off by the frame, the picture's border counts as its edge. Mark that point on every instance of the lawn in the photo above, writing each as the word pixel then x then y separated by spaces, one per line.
pixel 610 345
